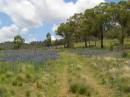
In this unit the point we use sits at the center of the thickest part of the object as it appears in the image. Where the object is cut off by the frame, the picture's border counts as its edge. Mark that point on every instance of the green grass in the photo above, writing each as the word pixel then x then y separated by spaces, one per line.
pixel 107 43
pixel 69 76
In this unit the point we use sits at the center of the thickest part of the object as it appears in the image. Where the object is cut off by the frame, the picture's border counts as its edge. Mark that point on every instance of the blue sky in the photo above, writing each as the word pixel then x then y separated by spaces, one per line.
pixel 35 27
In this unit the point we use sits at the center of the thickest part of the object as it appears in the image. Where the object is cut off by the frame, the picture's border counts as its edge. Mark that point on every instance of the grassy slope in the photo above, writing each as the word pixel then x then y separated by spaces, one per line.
pixel 76 70
pixel 97 76
pixel 102 76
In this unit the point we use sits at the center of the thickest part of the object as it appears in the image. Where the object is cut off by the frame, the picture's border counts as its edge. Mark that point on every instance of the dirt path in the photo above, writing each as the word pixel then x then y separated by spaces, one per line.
pixel 100 89
pixel 64 82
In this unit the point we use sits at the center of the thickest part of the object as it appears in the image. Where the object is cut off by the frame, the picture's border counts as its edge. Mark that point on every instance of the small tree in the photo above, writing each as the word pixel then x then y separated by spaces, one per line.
pixel 48 39
pixel 66 30
pixel 18 41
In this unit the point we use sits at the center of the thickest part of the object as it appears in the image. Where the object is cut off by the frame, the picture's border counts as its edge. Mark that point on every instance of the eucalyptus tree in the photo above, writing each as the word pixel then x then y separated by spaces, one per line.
pixel 102 20
pixel 121 19
pixel 66 30
pixel 76 20
pixel 48 39
pixel 86 25
pixel 18 41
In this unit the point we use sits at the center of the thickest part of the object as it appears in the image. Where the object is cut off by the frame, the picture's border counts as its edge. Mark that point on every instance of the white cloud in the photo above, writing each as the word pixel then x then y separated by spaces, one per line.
pixel 7 33
pixel 32 13
pixel 30 39
pixel 27 13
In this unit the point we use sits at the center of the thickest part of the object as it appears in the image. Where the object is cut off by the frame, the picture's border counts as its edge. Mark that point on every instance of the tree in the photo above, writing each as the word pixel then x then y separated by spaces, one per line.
pixel 102 20
pixel 86 25
pixel 76 20
pixel 66 30
pixel 18 41
pixel 48 39
pixel 121 18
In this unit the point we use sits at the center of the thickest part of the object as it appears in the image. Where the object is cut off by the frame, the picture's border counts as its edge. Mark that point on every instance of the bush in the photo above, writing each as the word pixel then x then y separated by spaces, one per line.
pixel 80 89
pixel 124 54
pixel 39 84
pixel 28 94
pixel 111 47
pixel 73 88
pixel 29 77
pixel 3 92
pixel 18 81
pixel 9 74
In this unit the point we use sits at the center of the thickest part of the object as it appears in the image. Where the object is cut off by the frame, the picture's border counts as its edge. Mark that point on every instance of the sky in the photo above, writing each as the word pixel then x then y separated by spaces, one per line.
pixel 33 19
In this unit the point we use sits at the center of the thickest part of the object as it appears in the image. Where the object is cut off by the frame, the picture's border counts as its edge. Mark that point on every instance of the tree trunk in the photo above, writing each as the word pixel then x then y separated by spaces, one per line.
pixel 102 40
pixel 70 43
pixel 122 41
pixel 95 43
pixel 86 45
pixel 64 45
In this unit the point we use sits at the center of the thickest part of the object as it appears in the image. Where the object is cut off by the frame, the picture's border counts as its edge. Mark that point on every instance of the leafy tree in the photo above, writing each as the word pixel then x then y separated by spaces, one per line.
pixel 102 21
pixel 86 25
pixel 121 19
pixel 18 41
pixel 66 30
pixel 48 40
pixel 76 20
pixel 107 20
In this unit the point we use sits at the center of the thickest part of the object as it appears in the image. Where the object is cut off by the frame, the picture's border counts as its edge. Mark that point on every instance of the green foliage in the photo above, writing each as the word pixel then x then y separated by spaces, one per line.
pixel 18 81
pixel 107 20
pixel 18 42
pixel 39 84
pixel 28 94
pixel 124 54
pixel 80 88
pixel 48 40
pixel 66 30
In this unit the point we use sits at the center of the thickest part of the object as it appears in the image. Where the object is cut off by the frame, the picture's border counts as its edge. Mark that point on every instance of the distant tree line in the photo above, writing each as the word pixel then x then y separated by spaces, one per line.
pixel 105 21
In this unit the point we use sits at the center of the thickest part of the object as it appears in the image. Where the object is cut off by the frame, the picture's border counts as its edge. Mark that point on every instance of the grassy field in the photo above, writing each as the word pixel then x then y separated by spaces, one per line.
pixel 70 75
pixel 107 43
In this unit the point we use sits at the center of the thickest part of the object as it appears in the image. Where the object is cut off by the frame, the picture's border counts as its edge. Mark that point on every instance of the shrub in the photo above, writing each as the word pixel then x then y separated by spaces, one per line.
pixel 29 77
pixel 73 88
pixel 111 47
pixel 28 94
pixel 3 92
pixel 9 74
pixel 124 54
pixel 80 88
pixel 12 92
pixel 14 83
pixel 18 81
pixel 39 84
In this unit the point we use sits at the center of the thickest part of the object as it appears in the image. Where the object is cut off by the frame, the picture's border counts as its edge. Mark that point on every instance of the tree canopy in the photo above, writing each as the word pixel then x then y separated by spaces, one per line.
pixel 18 41
pixel 107 20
